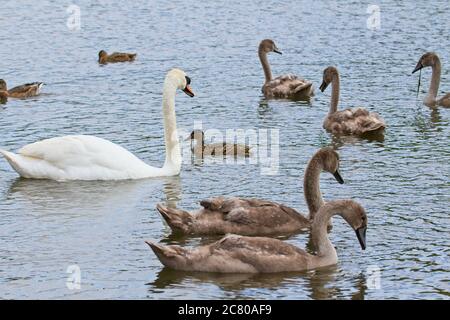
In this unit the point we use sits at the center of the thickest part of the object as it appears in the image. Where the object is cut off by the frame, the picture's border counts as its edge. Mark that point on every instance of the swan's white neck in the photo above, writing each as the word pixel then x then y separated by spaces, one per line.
pixel 334 93
pixel 173 152
pixel 430 99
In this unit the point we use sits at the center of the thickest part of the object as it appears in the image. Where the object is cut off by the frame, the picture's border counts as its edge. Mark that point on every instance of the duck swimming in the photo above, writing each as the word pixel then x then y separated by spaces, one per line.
pixel 200 149
pixel 23 91
pixel 104 58
pixel 431 59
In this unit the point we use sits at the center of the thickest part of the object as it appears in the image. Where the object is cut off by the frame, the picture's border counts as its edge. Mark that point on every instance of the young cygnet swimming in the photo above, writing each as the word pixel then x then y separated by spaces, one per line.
pixel 241 254
pixel 356 121
pixel 104 58
pixel 431 59
pixel 255 217
pixel 200 149
pixel 287 86
pixel 24 91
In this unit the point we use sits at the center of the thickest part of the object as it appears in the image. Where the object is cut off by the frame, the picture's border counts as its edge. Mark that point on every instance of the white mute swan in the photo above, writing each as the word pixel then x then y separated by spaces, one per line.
pixel 81 157
pixel 431 59
pixel 240 254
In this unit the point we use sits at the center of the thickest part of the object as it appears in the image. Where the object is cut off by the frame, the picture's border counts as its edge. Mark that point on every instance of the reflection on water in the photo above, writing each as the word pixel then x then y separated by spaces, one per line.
pixel 53 196
pixel 402 180
pixel 318 284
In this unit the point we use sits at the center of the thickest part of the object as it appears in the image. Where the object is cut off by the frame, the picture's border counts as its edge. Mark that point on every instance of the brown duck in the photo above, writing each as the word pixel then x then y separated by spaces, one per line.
pixel 200 149
pixel 24 91
pixel 240 254
pixel 104 58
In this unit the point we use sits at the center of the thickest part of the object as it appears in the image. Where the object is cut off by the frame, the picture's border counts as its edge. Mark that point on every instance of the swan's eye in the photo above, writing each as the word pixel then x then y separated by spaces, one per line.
pixel 188 80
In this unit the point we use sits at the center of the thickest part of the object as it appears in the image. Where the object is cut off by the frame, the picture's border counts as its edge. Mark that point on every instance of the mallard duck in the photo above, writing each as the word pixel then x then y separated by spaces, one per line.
pixel 104 58
pixel 287 86
pixel 24 91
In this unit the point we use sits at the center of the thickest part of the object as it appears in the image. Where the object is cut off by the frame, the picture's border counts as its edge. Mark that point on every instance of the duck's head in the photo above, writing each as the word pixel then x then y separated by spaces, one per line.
pixel 330 162
pixel 328 75
pixel 179 78
pixel 102 54
pixel 356 217
pixel 268 45
pixel 427 60
pixel 196 134
pixel 2 85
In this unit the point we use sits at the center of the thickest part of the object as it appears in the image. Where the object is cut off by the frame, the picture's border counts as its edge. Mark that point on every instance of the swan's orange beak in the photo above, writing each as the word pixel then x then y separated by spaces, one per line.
pixel 188 91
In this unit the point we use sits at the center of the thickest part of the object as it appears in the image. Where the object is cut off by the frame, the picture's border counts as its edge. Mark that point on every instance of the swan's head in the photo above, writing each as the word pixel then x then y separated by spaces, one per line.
pixel 181 81
pixel 355 215
pixel 328 75
pixel 267 45
pixel 427 60
pixel 196 134
pixel 2 85
pixel 329 159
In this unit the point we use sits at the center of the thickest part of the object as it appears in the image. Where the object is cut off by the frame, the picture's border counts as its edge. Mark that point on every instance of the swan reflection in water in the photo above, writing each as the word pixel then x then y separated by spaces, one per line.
pixel 77 197
pixel 317 284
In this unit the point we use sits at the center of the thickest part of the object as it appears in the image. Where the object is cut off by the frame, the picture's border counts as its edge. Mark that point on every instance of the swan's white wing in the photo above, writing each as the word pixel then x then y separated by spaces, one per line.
pixel 80 157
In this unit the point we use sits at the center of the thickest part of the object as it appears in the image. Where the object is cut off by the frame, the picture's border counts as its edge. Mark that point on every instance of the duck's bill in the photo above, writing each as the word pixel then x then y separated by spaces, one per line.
pixel 188 91
pixel 418 67
pixel 338 177
pixel 277 51
pixel 323 86
pixel 361 235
